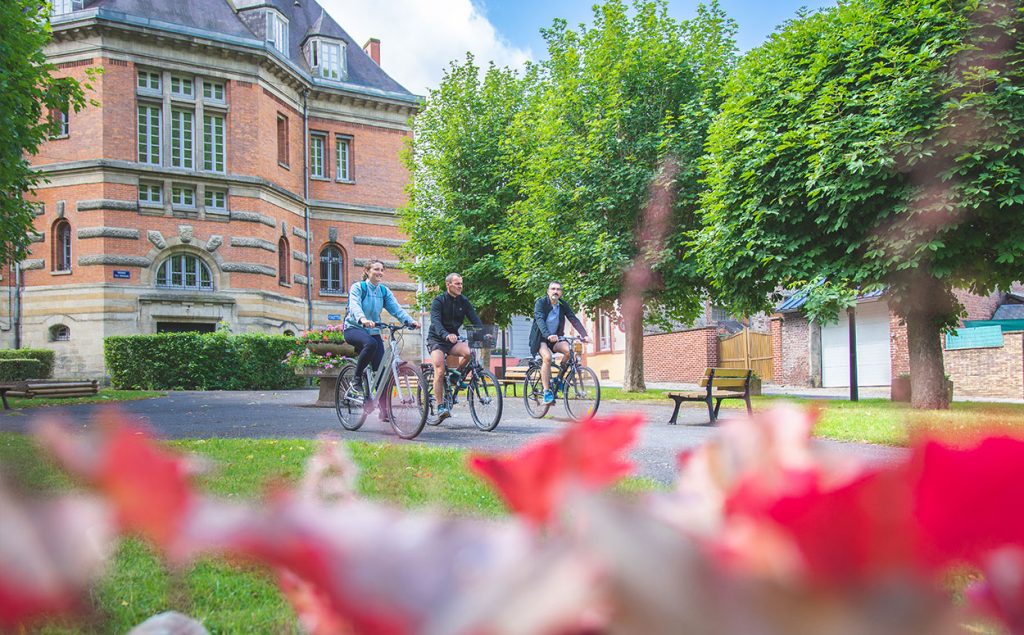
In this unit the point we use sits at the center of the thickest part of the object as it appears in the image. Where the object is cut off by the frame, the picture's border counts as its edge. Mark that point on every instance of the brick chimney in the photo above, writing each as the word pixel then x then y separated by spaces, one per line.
pixel 372 48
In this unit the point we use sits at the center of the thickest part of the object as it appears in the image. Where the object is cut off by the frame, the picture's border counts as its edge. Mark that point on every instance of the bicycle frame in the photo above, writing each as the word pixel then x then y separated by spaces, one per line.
pixel 378 381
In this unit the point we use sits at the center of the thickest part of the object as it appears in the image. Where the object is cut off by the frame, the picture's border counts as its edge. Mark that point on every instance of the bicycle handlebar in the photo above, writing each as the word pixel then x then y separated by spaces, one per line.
pixel 393 327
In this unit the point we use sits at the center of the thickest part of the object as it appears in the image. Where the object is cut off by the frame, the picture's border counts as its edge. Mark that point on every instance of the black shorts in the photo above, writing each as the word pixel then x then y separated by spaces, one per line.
pixel 440 345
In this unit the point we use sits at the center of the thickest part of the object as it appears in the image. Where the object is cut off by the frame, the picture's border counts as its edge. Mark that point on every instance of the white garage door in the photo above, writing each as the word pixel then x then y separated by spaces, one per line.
pixel 873 358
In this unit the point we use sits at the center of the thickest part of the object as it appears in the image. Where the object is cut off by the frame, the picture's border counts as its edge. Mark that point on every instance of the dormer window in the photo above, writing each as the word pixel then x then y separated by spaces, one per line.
pixel 63 7
pixel 327 58
pixel 277 31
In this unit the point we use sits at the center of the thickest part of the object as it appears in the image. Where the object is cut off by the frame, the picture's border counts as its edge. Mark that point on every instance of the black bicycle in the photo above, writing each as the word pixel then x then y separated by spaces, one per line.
pixel 575 383
pixel 483 392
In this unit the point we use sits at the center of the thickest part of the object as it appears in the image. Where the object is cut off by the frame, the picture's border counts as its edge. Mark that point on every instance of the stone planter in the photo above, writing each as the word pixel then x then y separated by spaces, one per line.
pixel 900 389
pixel 328 378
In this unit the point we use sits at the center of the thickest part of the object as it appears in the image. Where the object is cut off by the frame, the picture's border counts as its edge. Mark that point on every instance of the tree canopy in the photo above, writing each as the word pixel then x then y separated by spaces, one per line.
pixel 28 91
pixel 462 185
pixel 874 144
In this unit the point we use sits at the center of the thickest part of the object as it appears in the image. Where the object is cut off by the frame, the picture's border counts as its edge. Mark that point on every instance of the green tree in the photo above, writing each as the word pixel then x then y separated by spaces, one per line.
pixel 876 144
pixel 28 91
pixel 462 185
pixel 610 146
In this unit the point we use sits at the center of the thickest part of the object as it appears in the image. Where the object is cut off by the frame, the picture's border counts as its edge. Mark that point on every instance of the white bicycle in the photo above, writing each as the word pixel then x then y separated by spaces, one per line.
pixel 397 385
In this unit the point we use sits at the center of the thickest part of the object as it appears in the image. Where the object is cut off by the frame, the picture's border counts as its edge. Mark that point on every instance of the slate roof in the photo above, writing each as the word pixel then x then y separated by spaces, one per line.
pixel 1009 312
pixel 216 17
pixel 796 301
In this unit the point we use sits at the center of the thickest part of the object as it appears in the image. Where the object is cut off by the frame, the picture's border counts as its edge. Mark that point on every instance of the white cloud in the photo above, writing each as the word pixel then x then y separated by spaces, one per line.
pixel 419 38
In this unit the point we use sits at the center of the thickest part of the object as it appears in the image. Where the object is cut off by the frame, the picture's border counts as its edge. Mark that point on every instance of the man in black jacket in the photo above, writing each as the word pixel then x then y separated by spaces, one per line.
pixel 447 313
pixel 549 315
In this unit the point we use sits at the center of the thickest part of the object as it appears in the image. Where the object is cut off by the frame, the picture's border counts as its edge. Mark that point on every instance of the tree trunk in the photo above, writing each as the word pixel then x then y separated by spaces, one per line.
pixel 633 375
pixel 927 372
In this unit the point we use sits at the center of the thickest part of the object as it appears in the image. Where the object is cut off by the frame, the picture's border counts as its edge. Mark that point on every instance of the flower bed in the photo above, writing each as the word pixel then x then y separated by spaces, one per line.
pixel 319 352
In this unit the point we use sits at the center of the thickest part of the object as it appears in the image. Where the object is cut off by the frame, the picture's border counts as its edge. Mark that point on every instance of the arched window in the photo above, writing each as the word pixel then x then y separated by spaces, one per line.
pixel 60 333
pixel 283 261
pixel 331 270
pixel 61 257
pixel 184 271
pixel 289 333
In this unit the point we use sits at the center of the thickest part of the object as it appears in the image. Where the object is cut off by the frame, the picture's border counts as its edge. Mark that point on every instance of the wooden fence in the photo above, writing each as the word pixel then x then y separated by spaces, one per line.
pixel 747 349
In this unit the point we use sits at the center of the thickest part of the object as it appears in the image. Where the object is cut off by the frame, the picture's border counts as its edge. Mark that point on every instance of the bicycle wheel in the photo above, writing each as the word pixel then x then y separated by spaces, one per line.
pixel 533 394
pixel 347 405
pixel 485 400
pixel 582 393
pixel 408 400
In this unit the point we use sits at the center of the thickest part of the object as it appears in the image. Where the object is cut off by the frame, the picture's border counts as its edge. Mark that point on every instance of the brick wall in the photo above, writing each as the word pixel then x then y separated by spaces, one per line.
pixel 793 365
pixel 899 353
pixel 681 356
pixel 776 331
pixel 988 372
pixel 979 307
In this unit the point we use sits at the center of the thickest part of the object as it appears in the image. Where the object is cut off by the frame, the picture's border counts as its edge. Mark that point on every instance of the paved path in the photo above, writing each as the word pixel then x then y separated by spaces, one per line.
pixel 285 414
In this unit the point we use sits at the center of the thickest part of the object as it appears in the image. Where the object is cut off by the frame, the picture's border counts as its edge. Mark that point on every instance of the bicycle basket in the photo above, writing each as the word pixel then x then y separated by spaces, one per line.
pixel 482 336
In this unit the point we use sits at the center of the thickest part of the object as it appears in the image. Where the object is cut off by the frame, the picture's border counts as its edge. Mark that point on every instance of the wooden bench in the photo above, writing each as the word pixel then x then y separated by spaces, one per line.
pixel 719 384
pixel 514 375
pixel 52 389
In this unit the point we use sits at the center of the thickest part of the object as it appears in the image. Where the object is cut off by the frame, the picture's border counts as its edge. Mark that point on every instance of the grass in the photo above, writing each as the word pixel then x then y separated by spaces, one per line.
pixel 230 598
pixel 877 421
pixel 105 395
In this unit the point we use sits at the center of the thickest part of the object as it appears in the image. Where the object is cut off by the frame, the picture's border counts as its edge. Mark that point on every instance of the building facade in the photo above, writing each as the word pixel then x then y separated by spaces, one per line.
pixel 241 163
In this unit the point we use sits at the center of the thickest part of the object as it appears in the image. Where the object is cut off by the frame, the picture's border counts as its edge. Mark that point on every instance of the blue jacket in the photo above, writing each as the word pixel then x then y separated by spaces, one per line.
pixel 366 301
pixel 539 331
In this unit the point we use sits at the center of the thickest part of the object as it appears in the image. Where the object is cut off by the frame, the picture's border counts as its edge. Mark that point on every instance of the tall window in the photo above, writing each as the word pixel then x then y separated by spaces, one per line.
pixel 331 268
pixel 149 134
pixel 277 31
pixel 61 7
pixel 283 261
pixel 344 162
pixel 59 119
pixel 213 143
pixel 317 169
pixel 182 137
pixel 330 60
pixel 61 245
pixel 184 271
pixel 282 139
pixel 604 331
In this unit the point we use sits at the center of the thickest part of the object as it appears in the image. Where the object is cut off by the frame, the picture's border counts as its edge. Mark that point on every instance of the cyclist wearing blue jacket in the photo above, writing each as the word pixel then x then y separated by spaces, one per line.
pixel 365 301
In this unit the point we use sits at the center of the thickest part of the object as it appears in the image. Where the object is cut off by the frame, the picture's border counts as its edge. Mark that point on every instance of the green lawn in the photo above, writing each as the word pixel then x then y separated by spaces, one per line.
pixel 230 598
pixel 872 420
pixel 105 395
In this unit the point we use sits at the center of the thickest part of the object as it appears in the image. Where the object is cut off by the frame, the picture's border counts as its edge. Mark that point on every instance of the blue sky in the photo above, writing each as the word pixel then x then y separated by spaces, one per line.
pixel 520 21
pixel 420 38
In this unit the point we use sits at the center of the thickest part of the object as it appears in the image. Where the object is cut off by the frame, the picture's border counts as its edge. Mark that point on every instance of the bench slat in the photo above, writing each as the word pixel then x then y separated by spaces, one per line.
pixel 734 384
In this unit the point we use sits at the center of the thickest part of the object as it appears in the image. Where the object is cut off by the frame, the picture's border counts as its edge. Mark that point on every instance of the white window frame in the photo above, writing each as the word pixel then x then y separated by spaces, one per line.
pixel 277 31
pixel 210 202
pixel 213 141
pixel 178 87
pixel 184 265
pixel 332 55
pixel 64 7
pixel 318 155
pixel 62 246
pixel 144 82
pixel 149 135
pixel 210 95
pixel 183 197
pixel 183 138
pixel 154 194
pixel 343 164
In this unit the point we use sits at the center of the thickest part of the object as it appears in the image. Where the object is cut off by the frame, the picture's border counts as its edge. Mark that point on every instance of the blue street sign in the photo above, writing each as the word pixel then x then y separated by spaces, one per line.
pixel 121 273
pixel 334 317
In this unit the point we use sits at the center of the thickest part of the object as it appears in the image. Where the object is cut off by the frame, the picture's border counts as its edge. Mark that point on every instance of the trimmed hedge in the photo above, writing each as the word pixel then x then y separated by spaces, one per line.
pixel 14 369
pixel 200 361
pixel 43 355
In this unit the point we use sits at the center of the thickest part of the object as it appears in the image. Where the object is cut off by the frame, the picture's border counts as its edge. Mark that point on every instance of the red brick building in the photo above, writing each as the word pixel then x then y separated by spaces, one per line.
pixel 242 164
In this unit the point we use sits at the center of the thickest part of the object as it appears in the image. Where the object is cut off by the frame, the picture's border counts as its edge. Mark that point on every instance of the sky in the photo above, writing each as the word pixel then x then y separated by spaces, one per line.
pixel 420 38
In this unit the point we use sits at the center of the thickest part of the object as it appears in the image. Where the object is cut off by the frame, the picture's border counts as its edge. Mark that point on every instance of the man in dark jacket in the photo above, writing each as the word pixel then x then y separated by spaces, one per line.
pixel 447 313
pixel 549 315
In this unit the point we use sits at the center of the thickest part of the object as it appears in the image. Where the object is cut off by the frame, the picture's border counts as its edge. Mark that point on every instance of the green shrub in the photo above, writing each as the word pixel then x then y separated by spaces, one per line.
pixel 199 361
pixel 14 369
pixel 43 355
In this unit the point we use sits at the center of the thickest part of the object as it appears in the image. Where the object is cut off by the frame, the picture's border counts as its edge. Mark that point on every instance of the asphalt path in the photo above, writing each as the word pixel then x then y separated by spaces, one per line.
pixel 287 414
